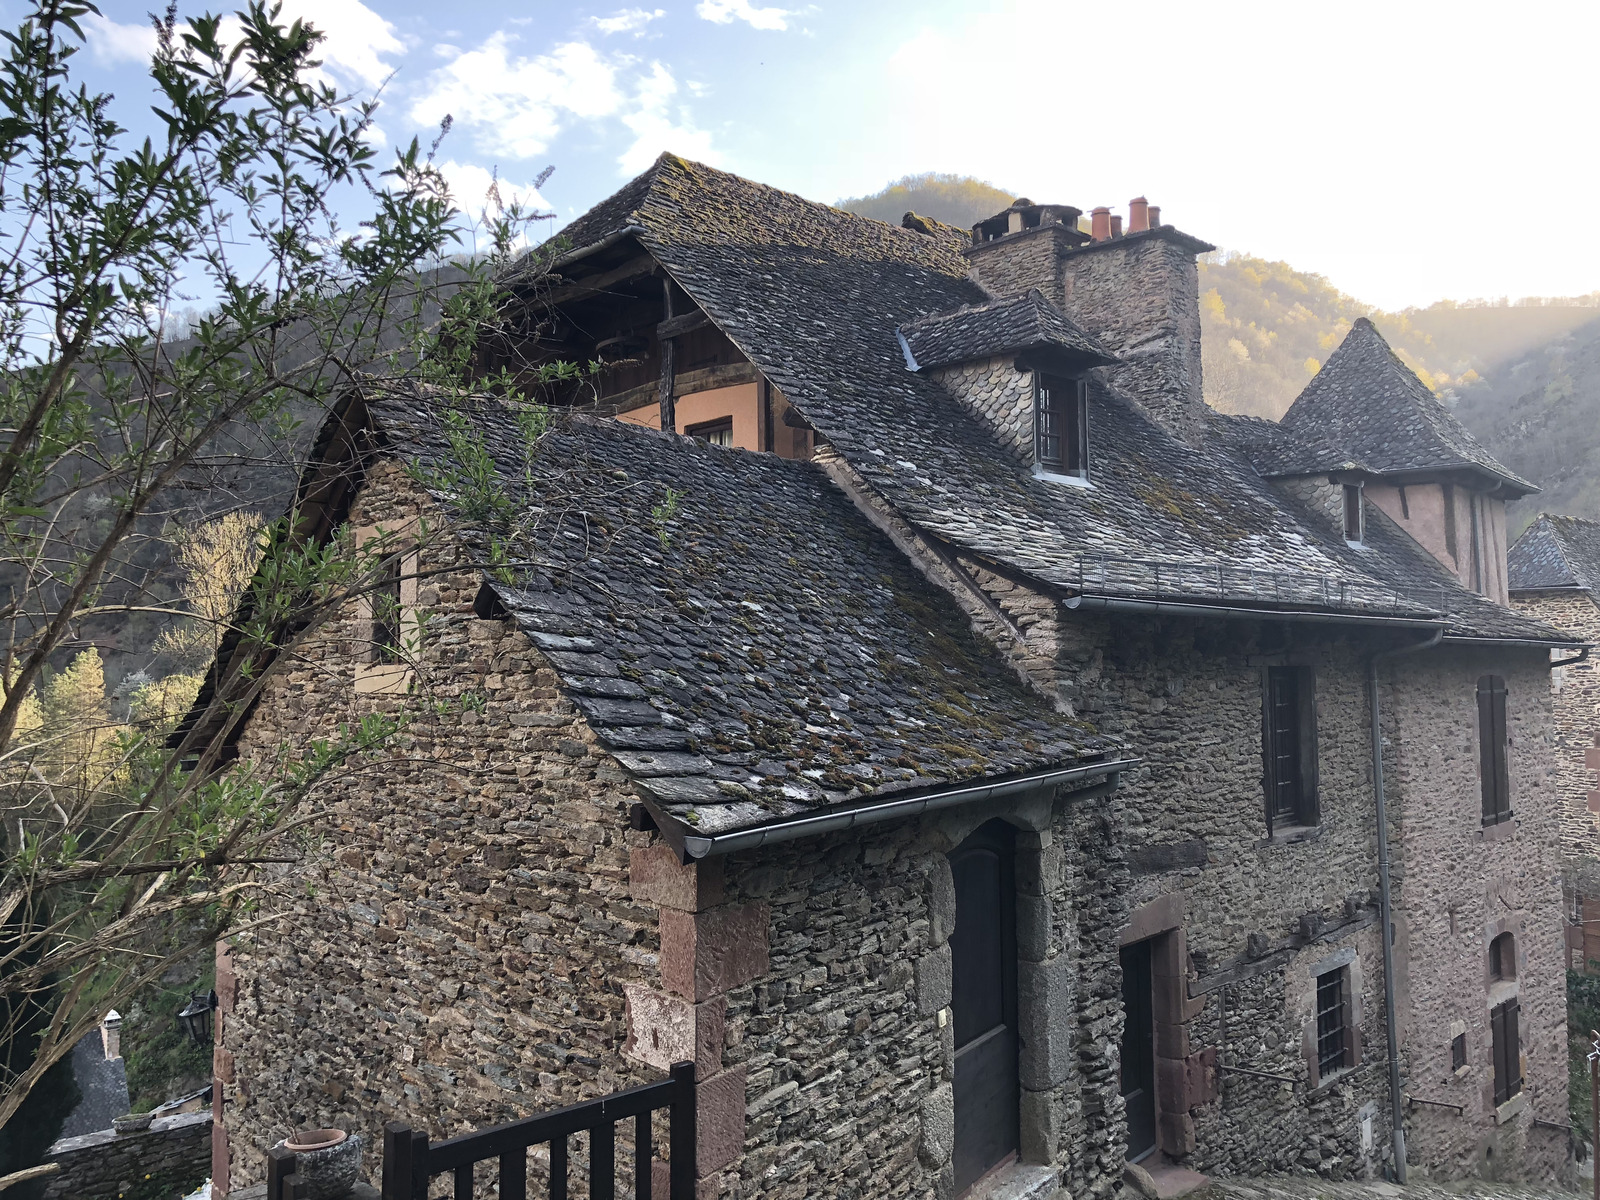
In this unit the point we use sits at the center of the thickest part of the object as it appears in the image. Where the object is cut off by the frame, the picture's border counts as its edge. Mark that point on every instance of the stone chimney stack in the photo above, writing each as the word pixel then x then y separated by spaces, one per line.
pixel 1137 291
pixel 111 1035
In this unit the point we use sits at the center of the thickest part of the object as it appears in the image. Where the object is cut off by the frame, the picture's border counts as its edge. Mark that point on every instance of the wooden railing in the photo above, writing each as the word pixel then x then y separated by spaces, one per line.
pixel 410 1162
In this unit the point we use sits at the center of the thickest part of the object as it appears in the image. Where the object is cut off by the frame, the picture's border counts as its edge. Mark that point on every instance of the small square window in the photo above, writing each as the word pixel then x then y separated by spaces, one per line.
pixel 1458 1052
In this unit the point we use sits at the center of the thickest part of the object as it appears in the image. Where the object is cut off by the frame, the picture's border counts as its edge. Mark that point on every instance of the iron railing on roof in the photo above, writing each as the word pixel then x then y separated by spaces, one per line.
pixel 1223 583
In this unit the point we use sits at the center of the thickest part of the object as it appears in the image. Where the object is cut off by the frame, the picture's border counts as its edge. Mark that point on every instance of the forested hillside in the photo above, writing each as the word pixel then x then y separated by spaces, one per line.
pixel 1524 376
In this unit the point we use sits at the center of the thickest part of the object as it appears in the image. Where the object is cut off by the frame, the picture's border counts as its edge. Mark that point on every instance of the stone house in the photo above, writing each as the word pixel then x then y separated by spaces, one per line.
pixel 1554 570
pixel 961 745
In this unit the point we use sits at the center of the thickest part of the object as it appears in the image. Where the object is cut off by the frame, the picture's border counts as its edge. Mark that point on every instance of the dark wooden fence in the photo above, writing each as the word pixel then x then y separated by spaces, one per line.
pixel 410 1162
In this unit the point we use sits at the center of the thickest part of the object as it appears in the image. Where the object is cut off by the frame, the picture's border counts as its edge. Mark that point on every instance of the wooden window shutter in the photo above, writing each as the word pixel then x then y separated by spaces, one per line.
pixel 1310 811
pixel 1513 1048
pixel 1493 766
pixel 1497 1041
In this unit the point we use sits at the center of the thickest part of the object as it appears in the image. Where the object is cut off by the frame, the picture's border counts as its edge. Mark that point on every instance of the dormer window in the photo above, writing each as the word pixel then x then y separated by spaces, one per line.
pixel 1355 523
pixel 1061 425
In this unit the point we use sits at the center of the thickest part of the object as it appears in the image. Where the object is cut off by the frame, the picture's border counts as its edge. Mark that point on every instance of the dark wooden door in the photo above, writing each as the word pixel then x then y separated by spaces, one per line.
pixel 984 952
pixel 1138 1050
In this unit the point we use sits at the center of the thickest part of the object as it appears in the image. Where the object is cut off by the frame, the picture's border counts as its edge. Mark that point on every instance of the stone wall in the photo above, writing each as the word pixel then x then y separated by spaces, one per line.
pixel 1575 692
pixel 164 1162
pixel 458 938
pixel 1029 258
pixel 1462 884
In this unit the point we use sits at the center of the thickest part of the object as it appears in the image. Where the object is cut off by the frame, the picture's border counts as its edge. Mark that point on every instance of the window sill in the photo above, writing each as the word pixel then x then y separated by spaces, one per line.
pixel 388 679
pixel 1081 481
pixel 1330 1079
pixel 1500 830
pixel 1511 1108
pixel 1289 835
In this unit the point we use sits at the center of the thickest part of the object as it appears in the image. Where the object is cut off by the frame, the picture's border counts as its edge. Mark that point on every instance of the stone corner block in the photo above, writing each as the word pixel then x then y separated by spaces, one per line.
pixel 719 1113
pixel 657 877
pixel 1044 1023
pixel 708 953
pixel 664 1029
pixel 938 1127
pixel 934 975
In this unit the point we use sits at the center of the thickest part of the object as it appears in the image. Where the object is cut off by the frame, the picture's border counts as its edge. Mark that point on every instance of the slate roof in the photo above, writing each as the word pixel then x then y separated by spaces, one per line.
pixel 763 651
pixel 815 297
pixel 1026 322
pixel 1556 552
pixel 1368 409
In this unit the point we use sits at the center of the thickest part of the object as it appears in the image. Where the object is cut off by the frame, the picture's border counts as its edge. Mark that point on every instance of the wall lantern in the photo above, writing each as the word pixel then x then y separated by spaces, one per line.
pixel 195 1018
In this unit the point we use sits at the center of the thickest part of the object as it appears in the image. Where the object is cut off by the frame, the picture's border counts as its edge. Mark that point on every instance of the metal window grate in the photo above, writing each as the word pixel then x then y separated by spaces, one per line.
pixel 1330 1022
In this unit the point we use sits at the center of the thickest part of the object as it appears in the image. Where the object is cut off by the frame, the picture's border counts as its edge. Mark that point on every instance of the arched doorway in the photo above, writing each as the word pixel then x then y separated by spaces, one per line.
pixel 984 998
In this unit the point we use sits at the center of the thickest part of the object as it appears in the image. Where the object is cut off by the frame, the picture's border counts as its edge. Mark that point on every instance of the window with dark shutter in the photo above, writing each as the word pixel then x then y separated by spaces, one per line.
pixel 1354 520
pixel 1507 1040
pixel 1332 1042
pixel 1289 737
pixel 1492 758
pixel 1061 425
pixel 1458 1052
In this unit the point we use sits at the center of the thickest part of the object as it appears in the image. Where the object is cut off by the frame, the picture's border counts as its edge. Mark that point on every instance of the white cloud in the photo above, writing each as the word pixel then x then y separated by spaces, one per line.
pixel 355 38
pixel 629 20
pixel 518 105
pixel 470 187
pixel 656 127
pixel 112 42
pixel 724 11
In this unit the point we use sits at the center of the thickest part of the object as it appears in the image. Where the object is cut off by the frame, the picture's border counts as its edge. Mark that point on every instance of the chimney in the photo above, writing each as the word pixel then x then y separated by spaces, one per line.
pixel 1116 225
pixel 1155 216
pixel 1100 223
pixel 1138 215
pixel 111 1035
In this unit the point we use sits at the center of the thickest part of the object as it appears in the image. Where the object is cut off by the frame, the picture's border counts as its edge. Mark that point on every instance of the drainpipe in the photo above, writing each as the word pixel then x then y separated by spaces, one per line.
pixel 1385 911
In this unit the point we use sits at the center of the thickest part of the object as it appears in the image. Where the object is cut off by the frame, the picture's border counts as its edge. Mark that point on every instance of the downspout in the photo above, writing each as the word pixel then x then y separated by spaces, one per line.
pixel 1385 910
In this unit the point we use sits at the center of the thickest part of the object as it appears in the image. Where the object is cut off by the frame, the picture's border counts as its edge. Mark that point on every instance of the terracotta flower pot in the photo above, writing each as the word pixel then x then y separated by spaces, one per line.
pixel 327 1161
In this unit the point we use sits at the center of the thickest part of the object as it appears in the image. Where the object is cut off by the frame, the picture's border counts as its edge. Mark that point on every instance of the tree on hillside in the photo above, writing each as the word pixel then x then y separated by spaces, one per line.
pixel 957 200
pixel 123 854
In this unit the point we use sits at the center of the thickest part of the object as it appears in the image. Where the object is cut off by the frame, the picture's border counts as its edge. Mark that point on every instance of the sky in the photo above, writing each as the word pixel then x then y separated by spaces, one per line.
pixel 1409 151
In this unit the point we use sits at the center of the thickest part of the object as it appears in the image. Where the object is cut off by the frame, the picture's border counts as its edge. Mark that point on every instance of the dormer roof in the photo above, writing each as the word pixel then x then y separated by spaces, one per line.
pixel 1022 323
pixel 1366 410
pixel 1557 553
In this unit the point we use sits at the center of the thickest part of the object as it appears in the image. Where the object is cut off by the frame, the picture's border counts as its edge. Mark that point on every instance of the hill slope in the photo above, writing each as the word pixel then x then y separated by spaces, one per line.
pixel 954 199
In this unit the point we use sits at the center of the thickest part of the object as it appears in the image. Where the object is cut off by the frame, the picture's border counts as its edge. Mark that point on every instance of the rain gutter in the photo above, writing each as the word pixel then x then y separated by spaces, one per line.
pixel 692 846
pixel 1184 608
pixel 605 243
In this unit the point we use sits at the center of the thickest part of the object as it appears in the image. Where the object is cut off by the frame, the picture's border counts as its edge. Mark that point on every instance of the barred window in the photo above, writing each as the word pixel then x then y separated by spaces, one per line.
pixel 1333 1053
pixel 1458 1052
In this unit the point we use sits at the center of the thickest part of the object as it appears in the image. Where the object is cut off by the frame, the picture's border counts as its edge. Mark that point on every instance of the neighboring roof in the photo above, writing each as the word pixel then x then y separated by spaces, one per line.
pixel 1367 408
pixel 760 651
pixel 1556 552
pixel 1026 322
pixel 814 297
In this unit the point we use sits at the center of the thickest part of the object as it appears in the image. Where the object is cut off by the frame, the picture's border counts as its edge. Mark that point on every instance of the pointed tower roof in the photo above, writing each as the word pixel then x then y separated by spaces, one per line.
pixel 1556 552
pixel 1366 408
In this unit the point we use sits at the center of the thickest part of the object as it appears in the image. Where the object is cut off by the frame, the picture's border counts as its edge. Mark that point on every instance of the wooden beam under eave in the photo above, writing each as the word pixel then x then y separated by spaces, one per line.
pixel 634 268
pixel 678 326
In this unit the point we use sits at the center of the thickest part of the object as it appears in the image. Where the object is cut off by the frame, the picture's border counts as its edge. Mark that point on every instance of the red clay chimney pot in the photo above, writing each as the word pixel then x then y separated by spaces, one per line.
pixel 1138 215
pixel 1100 224
pixel 1116 225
